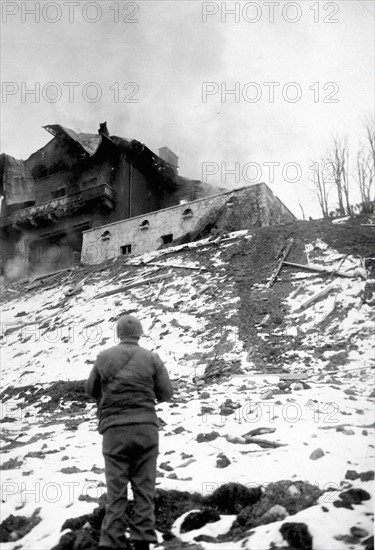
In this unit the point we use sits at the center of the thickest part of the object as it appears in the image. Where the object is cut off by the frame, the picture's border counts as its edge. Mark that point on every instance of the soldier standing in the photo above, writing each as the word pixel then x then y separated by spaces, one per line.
pixel 126 380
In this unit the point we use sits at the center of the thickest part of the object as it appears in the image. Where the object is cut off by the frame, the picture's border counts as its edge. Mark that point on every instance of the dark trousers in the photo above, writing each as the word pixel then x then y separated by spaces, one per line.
pixel 130 454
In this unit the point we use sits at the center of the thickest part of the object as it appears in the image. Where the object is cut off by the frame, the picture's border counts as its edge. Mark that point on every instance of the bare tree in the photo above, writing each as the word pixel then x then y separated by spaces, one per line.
pixel 299 201
pixel 338 158
pixel 366 168
pixel 320 185
pixel 370 134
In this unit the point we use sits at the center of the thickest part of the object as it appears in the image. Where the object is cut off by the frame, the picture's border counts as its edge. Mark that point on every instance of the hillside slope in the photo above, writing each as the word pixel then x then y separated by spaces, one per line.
pixel 301 447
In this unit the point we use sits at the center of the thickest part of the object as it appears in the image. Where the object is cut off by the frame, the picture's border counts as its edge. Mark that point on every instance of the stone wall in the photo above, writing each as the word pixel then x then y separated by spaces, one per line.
pixel 254 206
pixel 146 232
pixel 244 208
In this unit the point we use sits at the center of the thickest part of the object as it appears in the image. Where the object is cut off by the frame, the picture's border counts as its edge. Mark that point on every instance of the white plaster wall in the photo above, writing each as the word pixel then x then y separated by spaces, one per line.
pixel 99 246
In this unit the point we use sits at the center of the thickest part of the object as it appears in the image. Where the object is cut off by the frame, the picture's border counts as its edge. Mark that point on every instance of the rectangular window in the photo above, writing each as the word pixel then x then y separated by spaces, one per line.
pixel 167 238
pixel 126 249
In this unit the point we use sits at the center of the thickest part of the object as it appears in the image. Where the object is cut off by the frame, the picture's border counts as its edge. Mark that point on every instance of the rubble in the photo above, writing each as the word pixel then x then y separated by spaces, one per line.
pixel 252 403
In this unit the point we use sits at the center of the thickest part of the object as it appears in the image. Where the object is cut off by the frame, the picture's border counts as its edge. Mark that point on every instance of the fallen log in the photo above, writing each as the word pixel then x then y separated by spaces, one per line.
pixel 284 255
pixel 318 269
pixel 132 285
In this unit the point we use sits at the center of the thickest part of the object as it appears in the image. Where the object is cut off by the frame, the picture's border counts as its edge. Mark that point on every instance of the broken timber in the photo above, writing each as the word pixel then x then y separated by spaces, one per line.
pixel 134 284
pixel 157 295
pixel 318 269
pixel 317 296
pixel 159 264
pixel 284 255
pixel 44 276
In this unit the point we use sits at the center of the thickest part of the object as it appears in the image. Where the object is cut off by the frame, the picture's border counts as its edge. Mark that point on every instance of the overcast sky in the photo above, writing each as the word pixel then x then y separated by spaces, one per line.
pixel 164 52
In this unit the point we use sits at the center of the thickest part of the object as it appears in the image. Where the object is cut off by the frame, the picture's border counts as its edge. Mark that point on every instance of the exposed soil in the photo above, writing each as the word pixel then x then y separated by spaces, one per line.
pixel 250 505
pixel 15 527
pixel 249 263
pixel 253 262
pixel 59 392
pixel 293 496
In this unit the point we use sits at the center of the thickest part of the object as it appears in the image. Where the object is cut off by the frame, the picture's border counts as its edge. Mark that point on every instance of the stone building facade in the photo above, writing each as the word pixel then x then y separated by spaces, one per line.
pixel 244 208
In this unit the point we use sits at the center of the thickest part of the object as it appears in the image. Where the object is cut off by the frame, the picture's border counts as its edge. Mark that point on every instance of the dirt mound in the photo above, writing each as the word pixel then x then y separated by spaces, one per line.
pixel 292 496
pixel 250 504
pixel 59 393
pixel 233 497
pixel 169 505
pixel 252 263
pixel 15 527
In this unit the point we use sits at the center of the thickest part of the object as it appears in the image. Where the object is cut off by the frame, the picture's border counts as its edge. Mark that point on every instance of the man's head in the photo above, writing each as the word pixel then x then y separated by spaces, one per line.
pixel 128 326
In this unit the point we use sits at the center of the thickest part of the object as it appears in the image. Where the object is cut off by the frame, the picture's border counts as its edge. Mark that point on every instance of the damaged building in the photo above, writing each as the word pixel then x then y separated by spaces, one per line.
pixel 76 182
pixel 58 203
pixel 243 208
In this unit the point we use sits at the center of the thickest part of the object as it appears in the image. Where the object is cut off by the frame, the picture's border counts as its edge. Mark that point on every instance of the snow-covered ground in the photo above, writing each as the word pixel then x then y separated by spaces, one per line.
pixel 324 429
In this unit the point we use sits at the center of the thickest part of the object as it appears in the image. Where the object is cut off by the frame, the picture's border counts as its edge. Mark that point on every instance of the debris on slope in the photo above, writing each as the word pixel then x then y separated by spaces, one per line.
pixel 261 387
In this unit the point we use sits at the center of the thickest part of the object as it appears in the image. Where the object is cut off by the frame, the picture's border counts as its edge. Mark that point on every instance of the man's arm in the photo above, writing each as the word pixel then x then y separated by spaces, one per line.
pixel 93 386
pixel 162 384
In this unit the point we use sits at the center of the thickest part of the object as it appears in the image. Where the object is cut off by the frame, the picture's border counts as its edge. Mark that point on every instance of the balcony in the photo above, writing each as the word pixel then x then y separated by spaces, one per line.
pixel 101 196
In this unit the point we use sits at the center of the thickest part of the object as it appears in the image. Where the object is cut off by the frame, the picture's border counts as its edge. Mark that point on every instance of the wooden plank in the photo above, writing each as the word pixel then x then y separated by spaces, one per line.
pixel 160 288
pixel 178 266
pixel 296 291
pixel 343 371
pixel 265 319
pixel 132 285
pixel 294 376
pixel 44 276
pixel 337 269
pixel 317 296
pixel 280 264
pixel 318 269
pixel 331 310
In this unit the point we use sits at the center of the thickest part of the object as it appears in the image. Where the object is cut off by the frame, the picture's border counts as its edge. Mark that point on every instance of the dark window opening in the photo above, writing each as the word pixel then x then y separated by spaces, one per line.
pixel 167 238
pixel 188 213
pixel 145 224
pixel 126 249
pixel 106 236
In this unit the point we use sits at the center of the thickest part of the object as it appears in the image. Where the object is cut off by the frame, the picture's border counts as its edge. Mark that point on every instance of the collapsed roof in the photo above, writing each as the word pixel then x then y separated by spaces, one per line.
pixel 88 142
pixel 17 181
